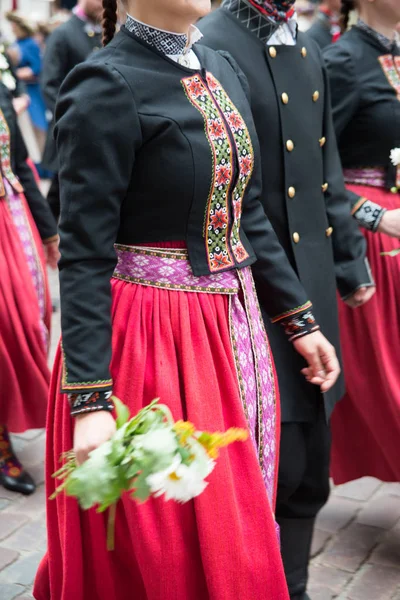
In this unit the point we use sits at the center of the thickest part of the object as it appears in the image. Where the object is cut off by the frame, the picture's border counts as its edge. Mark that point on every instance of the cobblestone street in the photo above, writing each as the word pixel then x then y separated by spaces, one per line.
pixel 356 550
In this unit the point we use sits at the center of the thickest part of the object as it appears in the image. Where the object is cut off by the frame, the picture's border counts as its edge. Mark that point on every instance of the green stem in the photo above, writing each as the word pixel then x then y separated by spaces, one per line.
pixel 111 527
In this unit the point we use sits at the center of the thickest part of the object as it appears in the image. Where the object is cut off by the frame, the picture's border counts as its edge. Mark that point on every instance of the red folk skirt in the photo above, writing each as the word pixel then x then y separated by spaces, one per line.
pixel 366 423
pixel 25 313
pixel 175 345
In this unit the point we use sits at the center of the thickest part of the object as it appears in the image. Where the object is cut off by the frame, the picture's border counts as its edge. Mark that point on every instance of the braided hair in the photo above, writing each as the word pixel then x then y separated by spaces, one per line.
pixel 109 20
pixel 345 10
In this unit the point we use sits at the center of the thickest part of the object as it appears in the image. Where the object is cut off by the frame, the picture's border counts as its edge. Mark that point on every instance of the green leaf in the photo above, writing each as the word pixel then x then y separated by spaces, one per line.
pixel 394 252
pixel 122 411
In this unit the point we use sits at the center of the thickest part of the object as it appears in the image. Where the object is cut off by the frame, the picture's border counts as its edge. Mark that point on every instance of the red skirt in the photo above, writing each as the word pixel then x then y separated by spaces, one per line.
pixel 221 546
pixel 25 312
pixel 366 423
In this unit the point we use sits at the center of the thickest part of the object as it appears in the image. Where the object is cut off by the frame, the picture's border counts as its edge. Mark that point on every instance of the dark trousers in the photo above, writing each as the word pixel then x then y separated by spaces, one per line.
pixel 303 489
pixel 53 197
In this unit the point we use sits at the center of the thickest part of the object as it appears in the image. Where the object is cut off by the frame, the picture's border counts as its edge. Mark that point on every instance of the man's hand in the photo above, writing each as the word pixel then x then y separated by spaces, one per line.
pixel 52 253
pixel 390 223
pixel 323 366
pixel 361 296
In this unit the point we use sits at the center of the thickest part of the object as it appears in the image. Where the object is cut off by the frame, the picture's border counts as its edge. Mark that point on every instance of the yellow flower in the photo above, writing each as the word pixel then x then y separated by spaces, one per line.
pixel 213 441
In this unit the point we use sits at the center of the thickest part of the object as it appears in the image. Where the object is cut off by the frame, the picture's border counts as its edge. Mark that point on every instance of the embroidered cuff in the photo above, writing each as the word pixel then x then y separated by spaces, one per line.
pixel 298 322
pixel 368 214
pixel 90 402
pixel 301 324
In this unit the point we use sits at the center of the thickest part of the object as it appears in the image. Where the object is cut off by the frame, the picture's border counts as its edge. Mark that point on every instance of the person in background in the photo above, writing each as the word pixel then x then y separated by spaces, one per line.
pixel 326 28
pixel 28 236
pixel 364 74
pixel 28 64
pixel 69 44
pixel 304 196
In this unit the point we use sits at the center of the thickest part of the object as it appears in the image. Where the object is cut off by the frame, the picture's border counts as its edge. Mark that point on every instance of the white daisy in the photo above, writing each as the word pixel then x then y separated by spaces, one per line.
pixel 395 156
pixel 182 482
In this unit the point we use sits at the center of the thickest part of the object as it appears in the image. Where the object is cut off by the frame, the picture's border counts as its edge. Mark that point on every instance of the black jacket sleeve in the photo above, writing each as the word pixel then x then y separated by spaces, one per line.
pixel 279 289
pixel 55 67
pixel 96 151
pixel 38 205
pixel 349 246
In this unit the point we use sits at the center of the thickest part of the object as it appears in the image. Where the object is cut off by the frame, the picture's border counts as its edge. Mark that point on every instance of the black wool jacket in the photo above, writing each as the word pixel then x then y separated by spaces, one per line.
pixel 136 165
pixel 303 190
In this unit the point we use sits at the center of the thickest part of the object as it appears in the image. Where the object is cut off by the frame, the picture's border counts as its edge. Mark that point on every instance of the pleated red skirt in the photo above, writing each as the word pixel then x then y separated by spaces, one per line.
pixel 24 319
pixel 221 546
pixel 366 423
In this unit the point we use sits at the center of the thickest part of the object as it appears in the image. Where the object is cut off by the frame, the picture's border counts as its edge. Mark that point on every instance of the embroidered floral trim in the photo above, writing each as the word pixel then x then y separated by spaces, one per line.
pixel 5 154
pixel 291 313
pixel 245 154
pixel 217 213
pixel 90 402
pixel 391 67
pixel 211 100
pixel 299 325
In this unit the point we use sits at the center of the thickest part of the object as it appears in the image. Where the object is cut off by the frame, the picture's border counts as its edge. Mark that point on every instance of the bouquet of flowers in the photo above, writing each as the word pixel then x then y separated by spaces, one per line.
pixel 149 455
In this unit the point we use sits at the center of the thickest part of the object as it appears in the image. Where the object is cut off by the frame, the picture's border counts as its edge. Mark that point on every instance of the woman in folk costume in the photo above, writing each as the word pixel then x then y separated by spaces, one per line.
pixel 160 180
pixel 364 70
pixel 27 234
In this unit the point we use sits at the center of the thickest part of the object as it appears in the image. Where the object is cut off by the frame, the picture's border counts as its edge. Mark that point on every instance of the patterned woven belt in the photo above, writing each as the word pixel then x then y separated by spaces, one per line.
pixel 170 269
pixel 372 176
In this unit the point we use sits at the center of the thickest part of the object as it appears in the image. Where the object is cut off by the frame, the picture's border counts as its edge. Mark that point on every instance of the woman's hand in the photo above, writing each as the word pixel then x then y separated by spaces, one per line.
pixel 91 430
pixel 323 366
pixel 52 253
pixel 390 223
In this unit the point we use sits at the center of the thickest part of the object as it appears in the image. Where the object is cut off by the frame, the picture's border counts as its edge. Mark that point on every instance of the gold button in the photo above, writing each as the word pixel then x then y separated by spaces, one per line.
pixel 90 33
pixel 329 231
pixel 315 96
pixel 324 187
pixel 285 98
pixel 272 52
pixel 291 192
pixel 296 237
pixel 289 145
pixel 394 189
pixel 322 141
pixel 304 52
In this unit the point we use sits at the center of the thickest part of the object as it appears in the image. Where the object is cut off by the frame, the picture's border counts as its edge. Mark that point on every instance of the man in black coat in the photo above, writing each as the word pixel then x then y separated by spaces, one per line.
pixel 326 29
pixel 70 44
pixel 306 201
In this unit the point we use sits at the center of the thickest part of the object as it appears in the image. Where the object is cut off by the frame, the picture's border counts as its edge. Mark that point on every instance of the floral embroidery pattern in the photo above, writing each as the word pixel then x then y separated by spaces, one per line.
pixel 391 67
pixel 245 155
pixel 212 102
pixel 5 156
pixel 217 216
